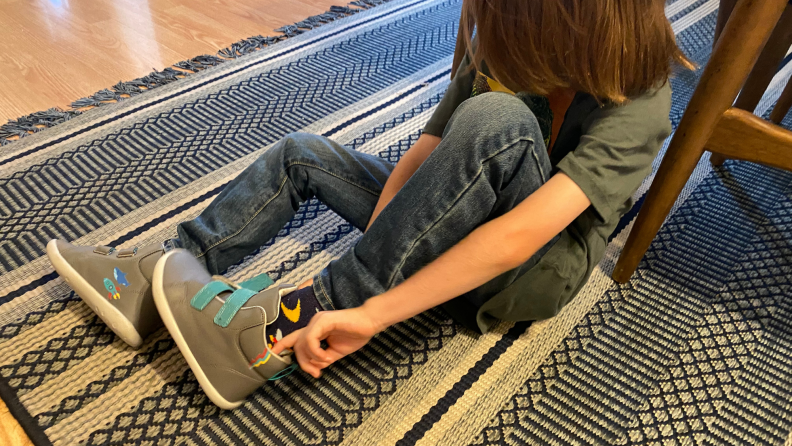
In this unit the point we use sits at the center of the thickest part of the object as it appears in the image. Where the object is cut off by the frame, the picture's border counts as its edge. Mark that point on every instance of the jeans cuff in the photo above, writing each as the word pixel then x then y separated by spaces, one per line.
pixel 321 295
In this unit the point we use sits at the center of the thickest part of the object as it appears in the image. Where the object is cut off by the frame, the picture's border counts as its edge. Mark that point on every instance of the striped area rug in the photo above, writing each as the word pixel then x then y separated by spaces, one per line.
pixel 697 348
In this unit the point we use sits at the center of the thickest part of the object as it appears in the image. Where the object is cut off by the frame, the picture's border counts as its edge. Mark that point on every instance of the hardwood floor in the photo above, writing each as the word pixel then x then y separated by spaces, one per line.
pixel 53 52
pixel 11 433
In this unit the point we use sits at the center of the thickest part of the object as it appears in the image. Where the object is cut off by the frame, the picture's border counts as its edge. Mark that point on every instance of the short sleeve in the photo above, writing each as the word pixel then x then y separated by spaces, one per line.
pixel 458 91
pixel 617 147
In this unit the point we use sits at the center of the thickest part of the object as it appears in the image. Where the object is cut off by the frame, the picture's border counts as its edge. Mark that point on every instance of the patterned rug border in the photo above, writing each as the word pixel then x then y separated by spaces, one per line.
pixel 11 284
pixel 16 129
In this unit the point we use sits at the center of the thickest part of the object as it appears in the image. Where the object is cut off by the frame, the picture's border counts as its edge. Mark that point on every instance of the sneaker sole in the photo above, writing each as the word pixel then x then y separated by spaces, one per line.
pixel 166 314
pixel 111 316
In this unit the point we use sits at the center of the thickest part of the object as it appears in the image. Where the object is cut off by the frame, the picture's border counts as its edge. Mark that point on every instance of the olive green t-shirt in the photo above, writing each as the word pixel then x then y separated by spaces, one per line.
pixel 607 150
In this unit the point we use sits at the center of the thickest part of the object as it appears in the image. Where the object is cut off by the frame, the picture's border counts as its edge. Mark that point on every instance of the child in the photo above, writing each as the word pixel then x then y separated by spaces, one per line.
pixel 500 210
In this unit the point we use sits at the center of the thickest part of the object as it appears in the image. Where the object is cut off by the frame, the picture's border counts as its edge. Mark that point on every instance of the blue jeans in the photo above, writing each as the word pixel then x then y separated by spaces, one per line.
pixel 492 156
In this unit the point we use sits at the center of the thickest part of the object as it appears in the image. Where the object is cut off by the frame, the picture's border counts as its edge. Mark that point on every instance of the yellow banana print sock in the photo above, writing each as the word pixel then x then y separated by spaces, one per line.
pixel 296 310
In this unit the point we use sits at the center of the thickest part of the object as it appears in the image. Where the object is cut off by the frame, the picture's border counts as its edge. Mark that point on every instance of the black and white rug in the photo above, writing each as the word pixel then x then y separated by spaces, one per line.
pixel 697 348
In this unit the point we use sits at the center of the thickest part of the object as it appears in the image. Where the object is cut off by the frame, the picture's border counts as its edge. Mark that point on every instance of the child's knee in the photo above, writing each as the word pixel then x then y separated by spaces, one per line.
pixel 494 113
pixel 297 146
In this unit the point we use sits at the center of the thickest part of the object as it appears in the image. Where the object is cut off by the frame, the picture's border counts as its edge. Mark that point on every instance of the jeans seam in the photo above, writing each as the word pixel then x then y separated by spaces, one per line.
pixel 456 199
pixel 226 238
pixel 300 163
pixel 324 292
pixel 539 166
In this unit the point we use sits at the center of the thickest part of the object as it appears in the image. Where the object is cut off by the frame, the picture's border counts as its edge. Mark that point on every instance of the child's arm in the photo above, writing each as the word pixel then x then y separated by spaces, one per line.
pixel 407 166
pixel 492 249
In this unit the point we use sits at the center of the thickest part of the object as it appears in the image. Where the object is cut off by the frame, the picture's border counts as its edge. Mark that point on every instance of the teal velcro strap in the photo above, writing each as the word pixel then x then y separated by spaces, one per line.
pixel 232 305
pixel 284 373
pixel 257 283
pixel 207 293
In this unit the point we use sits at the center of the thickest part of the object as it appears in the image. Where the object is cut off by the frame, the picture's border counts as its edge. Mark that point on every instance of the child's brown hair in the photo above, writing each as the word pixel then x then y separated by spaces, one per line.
pixel 611 49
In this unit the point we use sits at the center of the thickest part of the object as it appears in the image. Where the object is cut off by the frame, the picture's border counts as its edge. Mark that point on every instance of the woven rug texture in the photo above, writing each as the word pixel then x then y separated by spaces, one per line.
pixel 695 349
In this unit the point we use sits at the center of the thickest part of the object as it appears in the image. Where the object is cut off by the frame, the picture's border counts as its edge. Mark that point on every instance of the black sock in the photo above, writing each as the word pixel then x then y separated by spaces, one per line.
pixel 296 310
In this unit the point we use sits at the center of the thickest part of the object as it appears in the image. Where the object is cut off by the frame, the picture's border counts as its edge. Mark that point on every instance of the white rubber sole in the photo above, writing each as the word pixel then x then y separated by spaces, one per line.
pixel 98 302
pixel 166 314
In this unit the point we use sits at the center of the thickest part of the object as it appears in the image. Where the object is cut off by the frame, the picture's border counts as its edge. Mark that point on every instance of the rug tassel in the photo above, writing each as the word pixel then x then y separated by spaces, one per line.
pixel 367 4
pixel 199 63
pixel 34 122
pixel 130 88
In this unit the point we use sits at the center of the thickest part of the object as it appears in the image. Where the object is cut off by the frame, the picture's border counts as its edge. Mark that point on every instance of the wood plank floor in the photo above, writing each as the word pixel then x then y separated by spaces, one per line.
pixel 11 433
pixel 53 52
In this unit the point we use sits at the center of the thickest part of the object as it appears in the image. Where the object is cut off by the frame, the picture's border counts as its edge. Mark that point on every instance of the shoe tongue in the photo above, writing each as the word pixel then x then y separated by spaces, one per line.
pixel 251 341
pixel 257 351
pixel 256 341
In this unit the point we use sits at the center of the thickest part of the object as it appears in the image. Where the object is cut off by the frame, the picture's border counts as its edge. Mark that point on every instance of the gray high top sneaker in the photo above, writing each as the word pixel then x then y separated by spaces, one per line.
pixel 116 284
pixel 220 327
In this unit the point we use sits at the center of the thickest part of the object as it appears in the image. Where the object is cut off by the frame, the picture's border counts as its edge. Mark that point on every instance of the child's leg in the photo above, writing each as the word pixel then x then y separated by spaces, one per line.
pixel 251 210
pixel 258 202
pixel 490 159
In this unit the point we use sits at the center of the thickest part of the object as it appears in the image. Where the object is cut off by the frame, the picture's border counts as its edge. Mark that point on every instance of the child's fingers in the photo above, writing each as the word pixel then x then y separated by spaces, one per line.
pixel 287 341
pixel 320 364
pixel 329 356
pixel 333 355
pixel 305 362
pixel 310 368
pixel 315 350
pixel 313 339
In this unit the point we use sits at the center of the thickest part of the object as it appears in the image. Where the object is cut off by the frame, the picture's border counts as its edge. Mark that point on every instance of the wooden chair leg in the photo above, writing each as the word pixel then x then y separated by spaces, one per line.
pixel 725 9
pixel 783 105
pixel 734 56
pixel 764 70
pixel 767 64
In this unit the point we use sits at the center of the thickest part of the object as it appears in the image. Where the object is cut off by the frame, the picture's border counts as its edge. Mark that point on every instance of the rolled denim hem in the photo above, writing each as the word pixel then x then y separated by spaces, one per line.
pixel 321 296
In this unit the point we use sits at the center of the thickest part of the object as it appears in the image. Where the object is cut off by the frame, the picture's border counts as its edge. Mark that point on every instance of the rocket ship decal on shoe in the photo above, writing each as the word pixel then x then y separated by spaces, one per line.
pixel 112 291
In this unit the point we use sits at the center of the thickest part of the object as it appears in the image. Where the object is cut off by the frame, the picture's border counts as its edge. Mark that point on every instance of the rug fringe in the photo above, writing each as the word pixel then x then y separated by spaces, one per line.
pixel 35 122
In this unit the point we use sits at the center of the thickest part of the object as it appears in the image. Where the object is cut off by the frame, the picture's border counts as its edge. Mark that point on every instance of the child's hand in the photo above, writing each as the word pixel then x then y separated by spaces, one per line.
pixel 345 331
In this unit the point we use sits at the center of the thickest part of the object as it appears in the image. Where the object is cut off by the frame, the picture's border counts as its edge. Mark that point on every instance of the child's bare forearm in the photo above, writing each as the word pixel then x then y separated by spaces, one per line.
pixel 492 249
